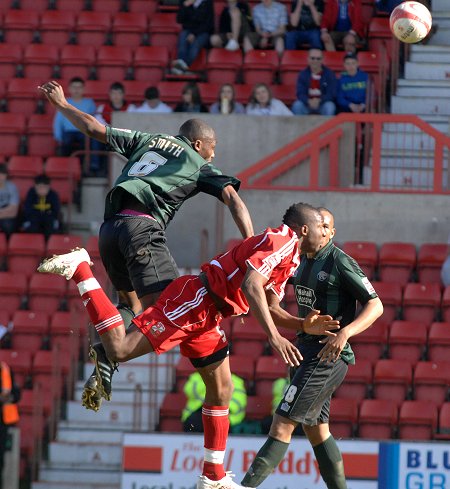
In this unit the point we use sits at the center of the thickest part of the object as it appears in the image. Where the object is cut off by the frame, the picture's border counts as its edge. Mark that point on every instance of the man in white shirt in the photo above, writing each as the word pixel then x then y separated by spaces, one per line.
pixel 151 103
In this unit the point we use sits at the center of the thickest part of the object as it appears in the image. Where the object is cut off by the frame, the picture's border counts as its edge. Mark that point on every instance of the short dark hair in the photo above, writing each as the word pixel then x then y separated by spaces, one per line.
pixel 350 55
pixel 117 86
pixel 151 93
pixel 76 79
pixel 42 179
pixel 194 129
pixel 324 209
pixel 300 214
pixel 3 168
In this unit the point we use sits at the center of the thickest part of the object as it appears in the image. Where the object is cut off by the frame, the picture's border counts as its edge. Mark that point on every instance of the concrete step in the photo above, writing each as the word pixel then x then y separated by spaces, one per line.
pixel 121 394
pixel 442 36
pixel 116 415
pixel 62 473
pixel 427 71
pixel 392 178
pixel 415 90
pixel 407 141
pixel 72 485
pixel 441 18
pixel 400 161
pixel 428 53
pixel 74 435
pixel 101 455
pixel 417 105
pixel 440 5
pixel 438 122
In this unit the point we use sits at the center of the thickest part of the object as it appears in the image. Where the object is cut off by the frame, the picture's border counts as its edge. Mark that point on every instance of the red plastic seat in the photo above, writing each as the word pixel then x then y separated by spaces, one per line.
pixel 170 412
pixel 113 62
pixel 392 380
pixel 11 56
pixel 40 60
pixel 380 35
pixel 417 420
pixel 46 292
pixel 260 66
pixel 444 422
pixel 25 252
pixel 291 63
pixel 56 26
pixel 343 417
pixel 20 362
pixel 258 407
pixel 421 302
pixel 58 244
pixel 77 61
pixel 20 26
pixel 112 6
pixel 397 260
pixel 431 381
pixel 285 93
pixel 97 90
pixel 445 306
pixel 128 28
pixel 183 369
pixel 25 166
pixel 371 343
pixel 12 126
pixel 30 330
pixel 134 90
pixel 150 63
pixel 244 367
pixel 164 30
pixel 92 27
pixel 357 381
pixel 242 93
pixel 439 342
pixel 365 253
pixel 334 60
pixel 40 139
pixel 92 247
pixel 143 6
pixel 210 93
pixel 49 371
pixel 248 337
pixel 222 65
pixel 267 370
pixel 66 330
pixel 65 173
pixel 430 258
pixel 71 5
pixel 391 297
pixel 407 340
pixel 377 419
pixel 32 400
pixel 23 96
pixel 13 289
pixel 170 92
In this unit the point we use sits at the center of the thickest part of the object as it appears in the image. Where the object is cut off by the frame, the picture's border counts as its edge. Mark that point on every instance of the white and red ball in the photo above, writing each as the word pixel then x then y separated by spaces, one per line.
pixel 410 22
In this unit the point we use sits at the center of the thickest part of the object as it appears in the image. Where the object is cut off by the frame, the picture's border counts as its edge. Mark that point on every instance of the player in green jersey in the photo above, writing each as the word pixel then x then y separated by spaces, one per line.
pixel 330 281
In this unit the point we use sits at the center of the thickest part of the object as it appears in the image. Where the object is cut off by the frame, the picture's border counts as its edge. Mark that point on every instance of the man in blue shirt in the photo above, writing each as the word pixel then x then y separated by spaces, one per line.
pixel 352 86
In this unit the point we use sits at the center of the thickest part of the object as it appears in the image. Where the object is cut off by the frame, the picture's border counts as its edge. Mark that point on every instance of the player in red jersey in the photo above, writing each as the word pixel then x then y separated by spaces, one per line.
pixel 249 277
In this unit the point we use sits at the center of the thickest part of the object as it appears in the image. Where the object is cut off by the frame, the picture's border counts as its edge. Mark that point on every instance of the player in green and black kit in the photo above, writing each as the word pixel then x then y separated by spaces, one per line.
pixel 332 282
pixel 161 173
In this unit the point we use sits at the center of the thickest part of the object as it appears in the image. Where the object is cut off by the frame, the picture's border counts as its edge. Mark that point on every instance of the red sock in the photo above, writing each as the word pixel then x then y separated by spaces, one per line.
pixel 215 425
pixel 102 312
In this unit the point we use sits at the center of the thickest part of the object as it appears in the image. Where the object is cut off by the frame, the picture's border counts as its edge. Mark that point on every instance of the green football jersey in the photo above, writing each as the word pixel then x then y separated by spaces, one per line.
pixel 162 172
pixel 331 282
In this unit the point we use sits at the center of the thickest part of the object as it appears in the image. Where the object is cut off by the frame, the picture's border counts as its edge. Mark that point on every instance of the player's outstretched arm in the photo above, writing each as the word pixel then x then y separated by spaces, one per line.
pixel 238 210
pixel 86 123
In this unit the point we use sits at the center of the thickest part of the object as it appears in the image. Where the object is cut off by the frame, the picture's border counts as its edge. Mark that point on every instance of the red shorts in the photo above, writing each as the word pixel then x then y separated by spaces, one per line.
pixel 184 315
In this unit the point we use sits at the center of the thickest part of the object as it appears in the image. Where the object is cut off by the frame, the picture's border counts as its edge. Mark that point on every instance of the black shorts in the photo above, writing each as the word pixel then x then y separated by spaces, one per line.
pixel 135 254
pixel 307 399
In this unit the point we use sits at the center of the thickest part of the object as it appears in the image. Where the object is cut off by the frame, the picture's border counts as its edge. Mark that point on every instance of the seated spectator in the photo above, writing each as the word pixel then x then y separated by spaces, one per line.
pixel 445 270
pixel 235 22
pixel 387 5
pixel 151 104
pixel 41 210
pixel 9 202
pixel 195 391
pixel 270 20
pixel 226 103
pixel 342 23
pixel 305 20
pixel 191 100
pixel 197 20
pixel 262 103
pixel 316 88
pixel 352 86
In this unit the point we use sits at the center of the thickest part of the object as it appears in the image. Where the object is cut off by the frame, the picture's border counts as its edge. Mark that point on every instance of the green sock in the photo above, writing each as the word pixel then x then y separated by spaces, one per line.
pixel 268 457
pixel 330 463
pixel 127 314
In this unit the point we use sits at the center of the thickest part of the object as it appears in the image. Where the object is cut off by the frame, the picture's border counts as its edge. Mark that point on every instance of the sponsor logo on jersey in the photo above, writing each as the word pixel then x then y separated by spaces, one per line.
pixel 322 276
pixel 305 297
pixel 368 285
pixel 284 406
pixel 157 329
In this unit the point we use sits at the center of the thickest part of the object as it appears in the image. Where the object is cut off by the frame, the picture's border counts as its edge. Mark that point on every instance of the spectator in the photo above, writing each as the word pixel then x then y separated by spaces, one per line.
pixel 226 103
pixel 197 20
pixel 9 202
pixel 342 23
pixel 270 19
pixel 262 103
pixel 352 86
pixel 41 210
pixel 195 391
pixel 191 100
pixel 445 270
pixel 387 5
pixel 68 137
pixel 305 20
pixel 316 88
pixel 235 22
pixel 152 103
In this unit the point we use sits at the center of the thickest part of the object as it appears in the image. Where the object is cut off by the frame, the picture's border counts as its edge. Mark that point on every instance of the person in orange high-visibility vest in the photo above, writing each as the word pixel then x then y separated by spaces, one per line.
pixel 9 396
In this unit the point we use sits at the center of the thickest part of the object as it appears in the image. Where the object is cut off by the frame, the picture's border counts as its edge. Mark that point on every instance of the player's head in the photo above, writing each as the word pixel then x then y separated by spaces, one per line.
pixel 328 223
pixel 307 222
pixel 202 137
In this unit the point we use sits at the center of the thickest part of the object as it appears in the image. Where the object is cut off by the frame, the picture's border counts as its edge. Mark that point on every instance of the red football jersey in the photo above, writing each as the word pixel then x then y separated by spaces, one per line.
pixel 273 253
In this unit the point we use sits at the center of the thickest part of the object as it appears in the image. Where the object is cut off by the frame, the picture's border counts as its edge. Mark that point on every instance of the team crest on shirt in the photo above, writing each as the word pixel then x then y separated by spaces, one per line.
pixel 157 329
pixel 322 276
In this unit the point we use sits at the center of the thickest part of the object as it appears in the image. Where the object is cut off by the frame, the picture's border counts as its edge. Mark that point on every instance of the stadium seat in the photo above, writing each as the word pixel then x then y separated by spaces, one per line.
pixel 421 302
pixel 445 306
pixel 113 62
pixel 365 253
pixel 391 297
pixel 164 30
pixel 243 93
pixel 357 382
pixel 65 173
pixel 58 244
pixel 371 343
pixel 260 66
pixel 71 5
pixel 39 133
pixel 46 292
pixel 170 412
pixel 431 381
pixel 128 29
pixel 417 420
pixel 407 340
pixel 30 330
pixel 149 64
pixel 66 329
pixel 183 369
pixel 439 342
pixel 40 60
pixel 22 95
pixel 143 6
pixel 243 366
pixel 170 92
pixel 76 61
pixel 209 93
pixel 92 28
pixel 32 400
pixel 377 419
pixel 92 247
pixel 248 337
pixel 56 27
pixel 12 126
pixel 25 251
pixel 50 368
pixel 20 362
pixel 443 432
pixel 291 63
pixel 222 65
pixel 13 290
pixel 3 250
pixel 111 6
pixel 343 417
pixel 380 36
pixel 396 262
pixel 11 57
pixel 285 93
pixel 97 90
pixel 134 90
pixel 20 26
pixel 267 370
pixel 25 167
pixel 392 380
pixel 334 60
pixel 258 408
pixel 430 258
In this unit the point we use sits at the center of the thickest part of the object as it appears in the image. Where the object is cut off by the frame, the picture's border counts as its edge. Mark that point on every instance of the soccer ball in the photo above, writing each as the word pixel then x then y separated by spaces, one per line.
pixel 410 22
